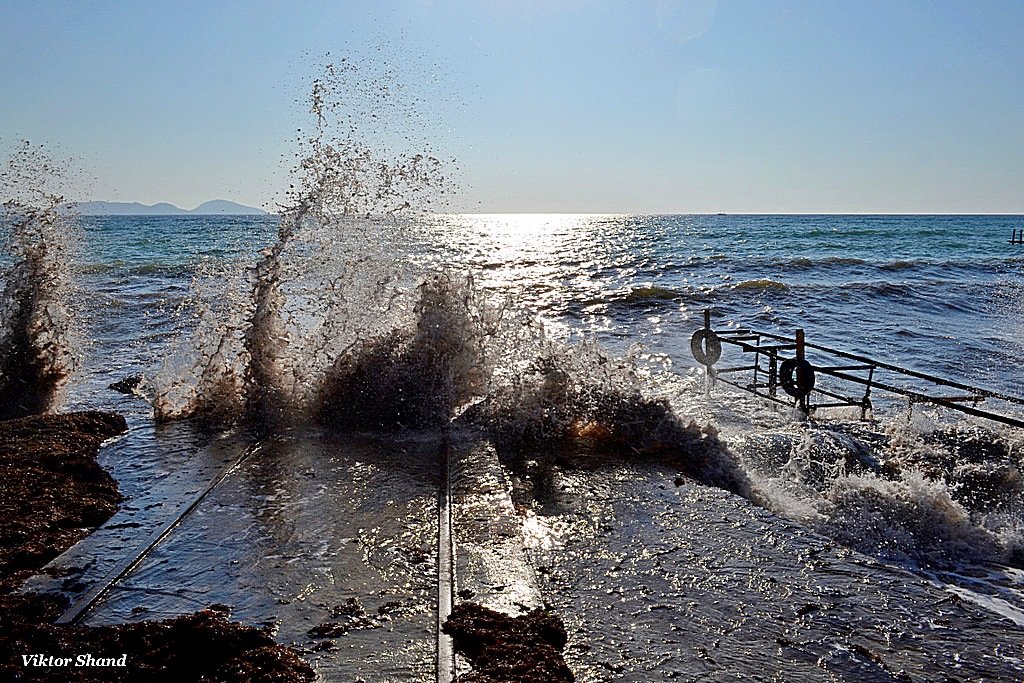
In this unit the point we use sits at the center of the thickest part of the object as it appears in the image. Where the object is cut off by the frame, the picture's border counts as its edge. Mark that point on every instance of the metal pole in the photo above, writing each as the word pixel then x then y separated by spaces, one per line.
pixel 800 356
pixel 707 368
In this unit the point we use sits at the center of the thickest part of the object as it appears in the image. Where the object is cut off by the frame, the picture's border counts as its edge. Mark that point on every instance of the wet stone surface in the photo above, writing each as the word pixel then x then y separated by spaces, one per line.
pixel 330 542
pixel 663 582
pixel 491 567
pixel 159 471
pixel 54 491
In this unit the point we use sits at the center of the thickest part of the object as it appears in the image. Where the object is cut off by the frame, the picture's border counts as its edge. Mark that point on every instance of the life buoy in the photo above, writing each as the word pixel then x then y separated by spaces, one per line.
pixel 796 377
pixel 706 347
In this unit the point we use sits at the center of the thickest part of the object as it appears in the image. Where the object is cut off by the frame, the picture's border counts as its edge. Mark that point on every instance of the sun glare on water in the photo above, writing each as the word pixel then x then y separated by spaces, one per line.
pixel 534 233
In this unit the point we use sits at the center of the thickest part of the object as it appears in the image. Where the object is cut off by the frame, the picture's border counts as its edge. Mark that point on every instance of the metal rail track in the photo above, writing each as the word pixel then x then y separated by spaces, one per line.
pixel 445 568
pixel 83 603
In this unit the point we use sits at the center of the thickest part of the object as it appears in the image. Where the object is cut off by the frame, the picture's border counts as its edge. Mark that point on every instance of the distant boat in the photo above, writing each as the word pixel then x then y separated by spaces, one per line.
pixel 720 213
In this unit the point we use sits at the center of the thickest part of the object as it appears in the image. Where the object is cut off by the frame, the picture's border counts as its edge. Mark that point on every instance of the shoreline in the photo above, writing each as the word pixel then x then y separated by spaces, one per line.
pixel 53 494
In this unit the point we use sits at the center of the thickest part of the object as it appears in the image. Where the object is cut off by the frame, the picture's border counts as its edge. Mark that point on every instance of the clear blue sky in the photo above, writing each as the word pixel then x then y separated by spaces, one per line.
pixel 549 105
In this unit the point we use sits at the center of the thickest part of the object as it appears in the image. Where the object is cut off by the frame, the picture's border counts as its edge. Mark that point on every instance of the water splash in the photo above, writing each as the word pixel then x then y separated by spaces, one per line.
pixel 572 399
pixel 38 340
pixel 346 327
pixel 340 322
pixel 419 375
pixel 332 280
pixel 916 492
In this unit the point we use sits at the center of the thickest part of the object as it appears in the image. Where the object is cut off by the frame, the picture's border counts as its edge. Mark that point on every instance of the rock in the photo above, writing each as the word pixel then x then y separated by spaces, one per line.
pixel 505 649
pixel 128 385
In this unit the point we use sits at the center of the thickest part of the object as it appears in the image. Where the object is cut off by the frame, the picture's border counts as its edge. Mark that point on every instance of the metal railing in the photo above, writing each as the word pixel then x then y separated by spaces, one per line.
pixel 780 362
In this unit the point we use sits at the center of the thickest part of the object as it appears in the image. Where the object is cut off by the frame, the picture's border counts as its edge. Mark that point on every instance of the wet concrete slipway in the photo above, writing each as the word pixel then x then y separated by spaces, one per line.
pixel 334 542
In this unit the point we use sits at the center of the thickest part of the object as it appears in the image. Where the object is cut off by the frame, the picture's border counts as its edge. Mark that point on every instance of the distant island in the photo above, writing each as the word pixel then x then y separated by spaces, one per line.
pixel 220 207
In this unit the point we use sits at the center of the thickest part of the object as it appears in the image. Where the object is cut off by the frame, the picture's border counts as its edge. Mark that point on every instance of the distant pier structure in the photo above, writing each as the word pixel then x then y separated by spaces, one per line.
pixel 1017 237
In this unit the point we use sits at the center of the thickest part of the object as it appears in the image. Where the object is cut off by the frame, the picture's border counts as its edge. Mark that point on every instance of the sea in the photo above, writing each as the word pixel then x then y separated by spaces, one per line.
pixel 884 548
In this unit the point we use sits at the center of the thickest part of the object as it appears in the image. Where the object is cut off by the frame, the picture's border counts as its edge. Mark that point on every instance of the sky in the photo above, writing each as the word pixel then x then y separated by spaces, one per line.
pixel 650 106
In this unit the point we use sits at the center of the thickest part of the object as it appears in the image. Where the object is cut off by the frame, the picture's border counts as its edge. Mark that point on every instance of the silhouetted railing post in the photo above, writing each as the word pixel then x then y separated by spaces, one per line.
pixel 799 358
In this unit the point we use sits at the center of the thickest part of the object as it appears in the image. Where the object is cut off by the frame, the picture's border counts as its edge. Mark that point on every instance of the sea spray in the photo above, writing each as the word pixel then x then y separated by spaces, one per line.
pixel 265 338
pixel 415 376
pixel 918 492
pixel 202 375
pixel 332 280
pixel 910 518
pixel 345 327
pixel 578 398
pixel 38 351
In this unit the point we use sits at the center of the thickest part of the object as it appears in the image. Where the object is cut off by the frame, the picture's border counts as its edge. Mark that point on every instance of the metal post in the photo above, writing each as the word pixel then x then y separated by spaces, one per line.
pixel 800 356
pixel 757 368
pixel 865 404
pixel 708 377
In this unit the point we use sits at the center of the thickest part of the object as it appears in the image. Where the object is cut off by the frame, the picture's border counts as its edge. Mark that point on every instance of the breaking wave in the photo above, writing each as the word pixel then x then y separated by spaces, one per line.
pixel 578 402
pixel 38 340
pixel 920 493
pixel 346 321
pixel 330 314
pixel 761 285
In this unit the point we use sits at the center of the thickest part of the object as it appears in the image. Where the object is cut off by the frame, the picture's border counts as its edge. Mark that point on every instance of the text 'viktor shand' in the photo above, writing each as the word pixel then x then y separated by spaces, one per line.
pixel 75 661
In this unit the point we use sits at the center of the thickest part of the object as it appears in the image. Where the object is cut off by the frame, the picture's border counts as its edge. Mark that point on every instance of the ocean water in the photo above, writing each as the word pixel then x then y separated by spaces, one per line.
pixel 938 294
pixel 827 566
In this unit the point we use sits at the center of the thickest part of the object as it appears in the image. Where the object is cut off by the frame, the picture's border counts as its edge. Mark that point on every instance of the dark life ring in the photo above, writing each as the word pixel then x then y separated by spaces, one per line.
pixel 706 347
pixel 796 377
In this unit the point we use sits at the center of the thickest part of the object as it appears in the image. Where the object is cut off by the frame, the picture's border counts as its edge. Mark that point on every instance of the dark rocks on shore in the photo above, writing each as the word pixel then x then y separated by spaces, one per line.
pixel 51 488
pixel 204 646
pixel 505 649
pixel 52 491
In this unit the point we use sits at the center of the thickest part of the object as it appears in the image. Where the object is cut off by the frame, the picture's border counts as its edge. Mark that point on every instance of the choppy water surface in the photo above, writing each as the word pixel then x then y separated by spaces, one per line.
pixel 901 573
pixel 937 293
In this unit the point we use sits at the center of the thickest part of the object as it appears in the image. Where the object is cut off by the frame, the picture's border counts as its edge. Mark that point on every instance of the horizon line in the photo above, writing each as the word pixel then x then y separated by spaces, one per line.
pixel 607 213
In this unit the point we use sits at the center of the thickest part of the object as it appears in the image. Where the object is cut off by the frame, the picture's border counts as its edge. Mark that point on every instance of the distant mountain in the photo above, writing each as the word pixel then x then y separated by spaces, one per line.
pixel 224 206
pixel 127 209
pixel 217 206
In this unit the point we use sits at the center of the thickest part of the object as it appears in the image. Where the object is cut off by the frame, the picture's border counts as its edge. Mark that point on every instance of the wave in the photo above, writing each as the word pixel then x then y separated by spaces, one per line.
pixel 910 518
pixel 652 293
pixel 760 285
pixel 330 326
pixel 576 401
pixel 169 270
pixel 842 261
pixel 38 339
pixel 328 295
pixel 900 265
pixel 936 497
pixel 412 377
pixel 834 267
